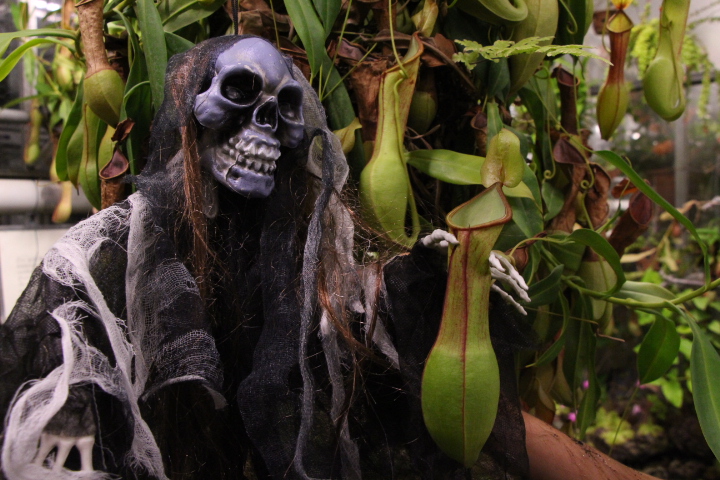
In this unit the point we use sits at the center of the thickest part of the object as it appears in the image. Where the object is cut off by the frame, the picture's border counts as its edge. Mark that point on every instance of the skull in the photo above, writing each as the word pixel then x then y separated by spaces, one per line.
pixel 252 108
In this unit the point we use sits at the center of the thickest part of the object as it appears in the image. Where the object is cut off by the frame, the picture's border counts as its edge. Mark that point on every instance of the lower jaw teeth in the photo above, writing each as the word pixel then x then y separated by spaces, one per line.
pixel 255 166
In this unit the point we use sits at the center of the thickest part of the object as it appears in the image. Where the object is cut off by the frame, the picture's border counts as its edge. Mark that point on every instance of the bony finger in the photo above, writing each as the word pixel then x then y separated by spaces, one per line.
pixel 495 262
pixel 47 443
pixel 64 446
pixel 440 235
pixel 509 299
pixel 85 446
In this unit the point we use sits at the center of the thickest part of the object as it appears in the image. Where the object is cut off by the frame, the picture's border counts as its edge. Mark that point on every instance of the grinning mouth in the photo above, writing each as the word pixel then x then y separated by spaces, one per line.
pixel 255 154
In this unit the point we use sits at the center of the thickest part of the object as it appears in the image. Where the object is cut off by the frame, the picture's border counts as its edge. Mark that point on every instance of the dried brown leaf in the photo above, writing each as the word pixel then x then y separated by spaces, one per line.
pixel 366 81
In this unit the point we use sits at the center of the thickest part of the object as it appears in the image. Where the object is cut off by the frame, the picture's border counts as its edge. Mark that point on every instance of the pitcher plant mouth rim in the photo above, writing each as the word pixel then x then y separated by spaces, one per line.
pixel 499 221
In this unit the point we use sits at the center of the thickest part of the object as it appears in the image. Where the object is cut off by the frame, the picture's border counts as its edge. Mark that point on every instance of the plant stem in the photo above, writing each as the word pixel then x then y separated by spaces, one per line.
pixel 90 14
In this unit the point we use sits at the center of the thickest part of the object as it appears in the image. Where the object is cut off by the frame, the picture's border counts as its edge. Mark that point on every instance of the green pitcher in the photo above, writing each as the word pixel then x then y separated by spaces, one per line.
pixel 461 381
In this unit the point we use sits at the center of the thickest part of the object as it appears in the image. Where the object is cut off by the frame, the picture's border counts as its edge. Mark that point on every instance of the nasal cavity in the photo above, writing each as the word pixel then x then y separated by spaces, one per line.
pixel 267 115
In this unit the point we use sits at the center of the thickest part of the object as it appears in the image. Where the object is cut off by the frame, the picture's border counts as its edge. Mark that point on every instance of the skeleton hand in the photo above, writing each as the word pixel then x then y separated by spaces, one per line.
pixel 498 266
pixel 48 441
pixel 74 425
pixel 439 240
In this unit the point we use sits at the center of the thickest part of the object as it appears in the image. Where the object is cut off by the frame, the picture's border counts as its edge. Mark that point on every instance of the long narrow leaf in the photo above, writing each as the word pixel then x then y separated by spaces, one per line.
pixel 154 47
pixel 7 37
pixel 328 11
pixel 705 371
pixel 9 62
pixel 71 123
pixel 658 350
pixel 633 176
pixel 177 44
pixel 644 292
pixel 341 113
pixel 176 14
pixel 448 166
pixel 137 104
pixel 546 290
pixel 551 353
pixel 601 246
pixel 589 403
pixel 132 35
pixel 311 32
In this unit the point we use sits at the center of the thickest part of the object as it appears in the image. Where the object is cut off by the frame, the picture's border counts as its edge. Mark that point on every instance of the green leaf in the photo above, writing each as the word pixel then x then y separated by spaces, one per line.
pixel 658 350
pixel 705 370
pixel 531 181
pixel 9 62
pixel 644 292
pixel 327 11
pixel 521 190
pixel 448 166
pixel 554 200
pixel 137 105
pixel 589 403
pixel 7 37
pixel 132 35
pixel 598 276
pixel 338 105
pixel 461 169
pixel 671 389
pixel 154 47
pixel 474 51
pixel 538 96
pixel 94 130
pixel 701 302
pixel 494 121
pixel 71 124
pixel 341 113
pixel 176 44
pixel 551 353
pixel 498 80
pixel 579 362
pixel 637 180
pixel 312 33
pixel 176 14
pixel 577 351
pixel 569 254
pixel 574 21
pixel 545 291
pixel 526 214
pixel 601 246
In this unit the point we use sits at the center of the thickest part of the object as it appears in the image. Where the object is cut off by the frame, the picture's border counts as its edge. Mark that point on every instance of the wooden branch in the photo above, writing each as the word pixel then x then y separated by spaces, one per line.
pixel 555 456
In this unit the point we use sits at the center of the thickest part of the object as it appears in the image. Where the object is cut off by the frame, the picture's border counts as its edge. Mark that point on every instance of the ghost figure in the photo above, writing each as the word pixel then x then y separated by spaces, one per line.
pixel 215 324
pixel 252 108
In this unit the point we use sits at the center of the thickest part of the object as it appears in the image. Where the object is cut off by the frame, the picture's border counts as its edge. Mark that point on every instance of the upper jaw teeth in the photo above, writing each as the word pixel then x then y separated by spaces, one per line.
pixel 254 154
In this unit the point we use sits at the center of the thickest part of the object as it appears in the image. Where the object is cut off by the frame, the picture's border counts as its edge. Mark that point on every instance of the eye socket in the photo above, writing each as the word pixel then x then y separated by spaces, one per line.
pixel 242 87
pixel 290 103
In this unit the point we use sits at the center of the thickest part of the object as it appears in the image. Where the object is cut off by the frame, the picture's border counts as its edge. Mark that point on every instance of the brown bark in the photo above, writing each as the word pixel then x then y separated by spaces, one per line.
pixel 90 14
pixel 555 456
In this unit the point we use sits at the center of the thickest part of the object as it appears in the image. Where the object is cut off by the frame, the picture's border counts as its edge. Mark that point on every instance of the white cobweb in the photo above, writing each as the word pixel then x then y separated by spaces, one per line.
pixel 68 263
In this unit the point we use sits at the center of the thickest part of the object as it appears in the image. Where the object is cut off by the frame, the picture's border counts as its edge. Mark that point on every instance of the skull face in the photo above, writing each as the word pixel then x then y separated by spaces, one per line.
pixel 252 108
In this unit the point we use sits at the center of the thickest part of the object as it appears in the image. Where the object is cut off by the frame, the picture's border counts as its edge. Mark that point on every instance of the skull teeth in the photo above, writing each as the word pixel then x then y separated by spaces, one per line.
pixel 255 148
pixel 252 154
pixel 256 164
